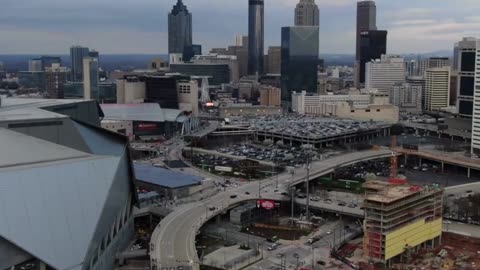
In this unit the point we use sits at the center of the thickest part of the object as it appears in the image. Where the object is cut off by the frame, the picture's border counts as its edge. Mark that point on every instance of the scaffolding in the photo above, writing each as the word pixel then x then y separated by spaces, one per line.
pixel 399 216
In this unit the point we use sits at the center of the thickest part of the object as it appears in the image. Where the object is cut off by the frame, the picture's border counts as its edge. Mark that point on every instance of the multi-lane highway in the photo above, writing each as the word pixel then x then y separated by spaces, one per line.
pixel 173 241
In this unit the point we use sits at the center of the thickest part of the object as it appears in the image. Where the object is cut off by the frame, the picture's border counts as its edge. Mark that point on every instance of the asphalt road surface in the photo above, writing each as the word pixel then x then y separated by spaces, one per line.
pixel 173 241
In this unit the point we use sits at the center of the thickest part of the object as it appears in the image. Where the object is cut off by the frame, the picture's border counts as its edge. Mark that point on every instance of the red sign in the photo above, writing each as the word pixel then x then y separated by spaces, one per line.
pixel 145 127
pixel 266 204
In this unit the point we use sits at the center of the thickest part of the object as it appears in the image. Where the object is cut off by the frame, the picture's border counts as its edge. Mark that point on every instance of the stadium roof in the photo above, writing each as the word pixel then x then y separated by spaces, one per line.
pixel 146 112
pixel 163 177
pixel 61 191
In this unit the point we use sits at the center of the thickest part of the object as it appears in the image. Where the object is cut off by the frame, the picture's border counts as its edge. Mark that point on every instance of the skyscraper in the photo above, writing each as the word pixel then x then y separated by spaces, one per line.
pixel 437 88
pixel 255 36
pixel 384 73
pixel 273 65
pixel 366 20
pixel 299 60
pixel 90 78
pixel 307 13
pixel 476 106
pixel 465 63
pixel 179 29
pixel 55 79
pixel 373 44
pixel 77 53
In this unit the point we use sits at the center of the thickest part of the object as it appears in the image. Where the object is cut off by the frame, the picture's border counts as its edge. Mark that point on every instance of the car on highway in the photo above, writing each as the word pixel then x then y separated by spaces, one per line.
pixel 342 204
pixel 315 199
pixel 212 208
pixel 328 232
pixel 352 205
pixel 284 194
pixel 301 196
pixel 327 201
pixel 273 247
pixel 233 196
pixel 247 193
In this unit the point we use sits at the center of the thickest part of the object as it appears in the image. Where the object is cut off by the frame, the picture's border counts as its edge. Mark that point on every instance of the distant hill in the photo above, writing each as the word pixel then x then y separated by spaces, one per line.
pixel 108 62
pixel 111 62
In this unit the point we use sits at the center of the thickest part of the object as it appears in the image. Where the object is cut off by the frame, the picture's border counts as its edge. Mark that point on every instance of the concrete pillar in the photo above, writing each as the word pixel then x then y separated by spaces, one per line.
pixel 43 266
pixel 420 162
pixel 469 172
pixel 405 160
pixel 443 167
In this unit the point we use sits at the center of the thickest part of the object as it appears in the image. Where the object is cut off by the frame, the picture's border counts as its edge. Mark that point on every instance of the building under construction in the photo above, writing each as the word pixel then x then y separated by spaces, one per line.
pixel 400 219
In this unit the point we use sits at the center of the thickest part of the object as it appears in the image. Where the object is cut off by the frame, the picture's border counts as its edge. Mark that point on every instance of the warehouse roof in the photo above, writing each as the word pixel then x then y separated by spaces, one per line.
pixel 165 178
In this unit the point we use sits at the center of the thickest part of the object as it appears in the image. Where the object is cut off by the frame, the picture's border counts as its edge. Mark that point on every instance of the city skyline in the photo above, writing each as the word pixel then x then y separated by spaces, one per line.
pixel 56 25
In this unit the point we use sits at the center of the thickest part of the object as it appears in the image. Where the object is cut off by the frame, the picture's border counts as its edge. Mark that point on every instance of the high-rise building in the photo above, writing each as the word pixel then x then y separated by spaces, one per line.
pixel 55 79
pixel 94 54
pixel 218 73
pixel 383 73
pixel 454 89
pixel 399 219
pixel 179 29
pixel 476 106
pixel 433 62
pixel 162 90
pixel 437 88
pixel 188 96
pixel 90 78
pixel 411 68
pixel 307 13
pixel 274 57
pixel 270 96
pixel 407 97
pixel 130 89
pixel 299 60
pixel 191 51
pixel 48 61
pixel 466 75
pixel 419 81
pixel 255 36
pixel 366 20
pixel 77 53
pixel 373 44
pixel 35 65
pixel 229 60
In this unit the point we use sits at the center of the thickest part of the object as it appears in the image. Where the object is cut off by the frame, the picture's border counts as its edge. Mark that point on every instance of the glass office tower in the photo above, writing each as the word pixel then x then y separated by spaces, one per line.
pixel 77 53
pixel 255 37
pixel 179 28
pixel 299 60
pixel 373 44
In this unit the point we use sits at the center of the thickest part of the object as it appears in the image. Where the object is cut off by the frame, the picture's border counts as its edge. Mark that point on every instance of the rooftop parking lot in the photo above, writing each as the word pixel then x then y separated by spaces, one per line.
pixel 305 126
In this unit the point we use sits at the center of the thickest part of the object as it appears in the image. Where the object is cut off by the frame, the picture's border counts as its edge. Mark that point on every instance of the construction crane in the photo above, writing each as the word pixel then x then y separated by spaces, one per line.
pixel 394 179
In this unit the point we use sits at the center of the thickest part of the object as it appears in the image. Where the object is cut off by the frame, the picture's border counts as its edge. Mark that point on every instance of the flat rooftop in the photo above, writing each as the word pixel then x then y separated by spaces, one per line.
pixel 391 193
pixel 164 178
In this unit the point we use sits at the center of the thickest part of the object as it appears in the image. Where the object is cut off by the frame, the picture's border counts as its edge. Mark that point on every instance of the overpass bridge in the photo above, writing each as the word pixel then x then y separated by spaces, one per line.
pixel 173 241
pixel 453 159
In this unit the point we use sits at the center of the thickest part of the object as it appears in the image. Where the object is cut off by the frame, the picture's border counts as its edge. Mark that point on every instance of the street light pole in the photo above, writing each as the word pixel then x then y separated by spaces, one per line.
pixel 308 186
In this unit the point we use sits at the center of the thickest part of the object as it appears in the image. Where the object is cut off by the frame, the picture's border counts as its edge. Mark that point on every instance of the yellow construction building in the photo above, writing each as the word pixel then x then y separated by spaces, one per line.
pixel 400 219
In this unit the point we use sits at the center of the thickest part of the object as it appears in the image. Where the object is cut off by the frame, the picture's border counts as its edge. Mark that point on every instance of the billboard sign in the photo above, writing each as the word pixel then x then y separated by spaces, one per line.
pixel 267 204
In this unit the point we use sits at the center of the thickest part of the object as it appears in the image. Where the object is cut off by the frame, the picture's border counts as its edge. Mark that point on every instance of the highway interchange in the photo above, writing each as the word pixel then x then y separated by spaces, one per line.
pixel 172 244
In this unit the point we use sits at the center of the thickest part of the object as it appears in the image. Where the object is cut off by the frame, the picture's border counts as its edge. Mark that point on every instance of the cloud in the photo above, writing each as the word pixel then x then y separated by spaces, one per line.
pixel 116 26
pixel 413 22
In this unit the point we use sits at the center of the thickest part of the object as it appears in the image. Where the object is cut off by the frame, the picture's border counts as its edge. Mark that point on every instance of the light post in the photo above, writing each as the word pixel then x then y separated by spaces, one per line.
pixel 308 185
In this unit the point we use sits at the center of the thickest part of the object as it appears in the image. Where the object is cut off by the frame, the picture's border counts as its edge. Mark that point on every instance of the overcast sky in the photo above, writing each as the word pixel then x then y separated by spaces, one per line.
pixel 140 26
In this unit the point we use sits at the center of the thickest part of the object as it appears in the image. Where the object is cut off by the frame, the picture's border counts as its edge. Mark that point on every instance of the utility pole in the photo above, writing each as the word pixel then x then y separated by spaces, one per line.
pixel 293 201
pixel 308 186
